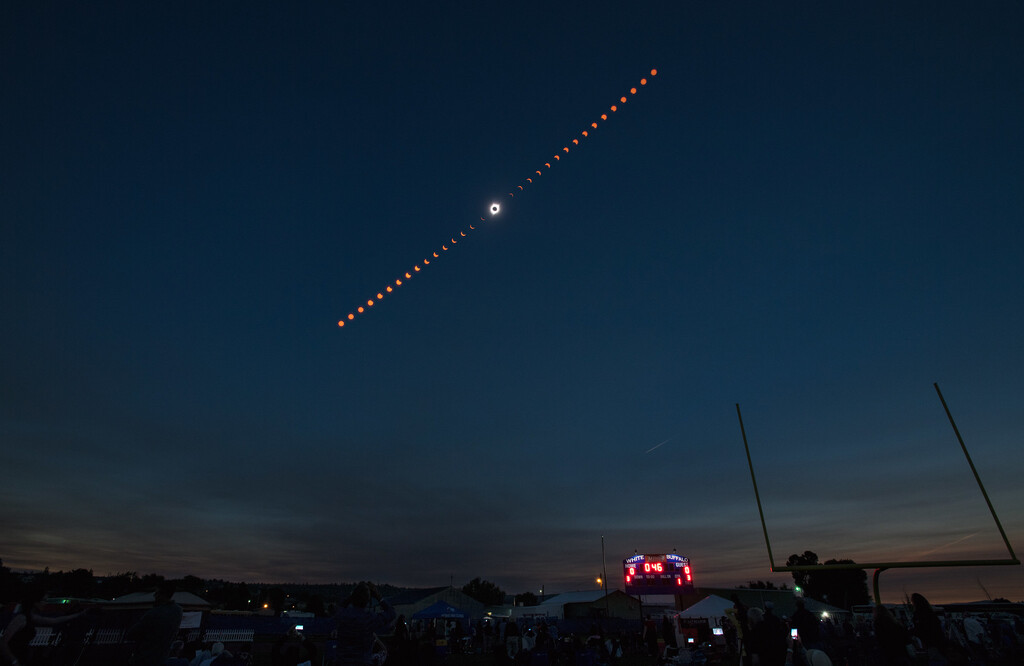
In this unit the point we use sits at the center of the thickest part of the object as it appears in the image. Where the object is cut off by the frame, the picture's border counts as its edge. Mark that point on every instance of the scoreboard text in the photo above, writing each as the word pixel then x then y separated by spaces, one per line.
pixel 657 574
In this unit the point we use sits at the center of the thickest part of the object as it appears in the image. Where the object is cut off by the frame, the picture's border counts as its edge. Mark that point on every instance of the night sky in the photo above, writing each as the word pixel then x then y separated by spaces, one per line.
pixel 812 211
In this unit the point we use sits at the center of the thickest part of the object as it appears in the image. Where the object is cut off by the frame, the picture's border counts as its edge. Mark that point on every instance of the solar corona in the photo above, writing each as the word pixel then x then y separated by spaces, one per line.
pixel 495 207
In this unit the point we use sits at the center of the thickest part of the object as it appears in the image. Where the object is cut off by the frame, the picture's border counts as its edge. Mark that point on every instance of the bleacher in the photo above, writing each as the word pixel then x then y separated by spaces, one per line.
pixel 229 636
pixel 44 636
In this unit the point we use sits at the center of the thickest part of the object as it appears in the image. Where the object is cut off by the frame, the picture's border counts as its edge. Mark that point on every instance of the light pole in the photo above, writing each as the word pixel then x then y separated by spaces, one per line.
pixel 604 578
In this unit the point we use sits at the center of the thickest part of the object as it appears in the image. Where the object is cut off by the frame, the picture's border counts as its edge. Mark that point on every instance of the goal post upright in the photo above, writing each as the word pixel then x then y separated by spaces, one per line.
pixel 879 567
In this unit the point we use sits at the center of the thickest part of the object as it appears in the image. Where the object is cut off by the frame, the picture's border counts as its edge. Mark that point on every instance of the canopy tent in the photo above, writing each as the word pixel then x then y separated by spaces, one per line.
pixel 712 608
pixel 440 610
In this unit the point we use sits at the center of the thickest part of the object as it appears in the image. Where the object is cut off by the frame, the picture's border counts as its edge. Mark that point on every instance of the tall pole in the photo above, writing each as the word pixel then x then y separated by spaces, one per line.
pixel 977 478
pixel 604 578
pixel 757 495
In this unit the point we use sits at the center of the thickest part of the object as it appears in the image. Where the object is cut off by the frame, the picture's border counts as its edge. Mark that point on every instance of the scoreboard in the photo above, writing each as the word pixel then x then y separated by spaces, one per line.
pixel 657 574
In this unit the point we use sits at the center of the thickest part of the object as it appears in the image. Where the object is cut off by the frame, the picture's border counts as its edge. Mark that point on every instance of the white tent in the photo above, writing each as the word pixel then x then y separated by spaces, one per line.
pixel 711 607
pixel 186 600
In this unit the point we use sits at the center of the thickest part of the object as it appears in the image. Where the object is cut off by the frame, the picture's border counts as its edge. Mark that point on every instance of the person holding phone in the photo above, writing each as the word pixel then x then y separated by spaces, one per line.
pixel 358 624
pixel 808 626
pixel 293 648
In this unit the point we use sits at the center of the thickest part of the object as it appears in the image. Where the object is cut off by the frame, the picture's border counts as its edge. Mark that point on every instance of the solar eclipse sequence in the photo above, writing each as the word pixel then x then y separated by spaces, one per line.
pixel 493 209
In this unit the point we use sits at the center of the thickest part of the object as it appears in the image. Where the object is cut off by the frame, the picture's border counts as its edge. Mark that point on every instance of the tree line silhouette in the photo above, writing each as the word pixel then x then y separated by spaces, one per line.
pixel 222 594
pixel 841 588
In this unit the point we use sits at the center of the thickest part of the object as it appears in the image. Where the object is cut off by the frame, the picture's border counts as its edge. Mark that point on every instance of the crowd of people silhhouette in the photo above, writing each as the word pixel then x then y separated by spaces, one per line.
pixel 925 639
pixel 365 630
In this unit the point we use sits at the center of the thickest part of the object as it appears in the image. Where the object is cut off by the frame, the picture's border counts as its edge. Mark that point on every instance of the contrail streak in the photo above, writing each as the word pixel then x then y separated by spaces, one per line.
pixel 952 543
pixel 657 445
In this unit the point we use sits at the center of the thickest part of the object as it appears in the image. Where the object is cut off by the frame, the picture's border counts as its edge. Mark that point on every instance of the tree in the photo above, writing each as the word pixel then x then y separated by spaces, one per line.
pixel 526 599
pixel 276 598
pixel 10 586
pixel 150 582
pixel 840 587
pixel 193 584
pixel 78 583
pixel 802 578
pixel 760 585
pixel 231 596
pixel 485 592
pixel 118 585
pixel 316 606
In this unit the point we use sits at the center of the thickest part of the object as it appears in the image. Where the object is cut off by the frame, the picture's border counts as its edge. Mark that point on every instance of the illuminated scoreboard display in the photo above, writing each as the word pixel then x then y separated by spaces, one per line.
pixel 657 574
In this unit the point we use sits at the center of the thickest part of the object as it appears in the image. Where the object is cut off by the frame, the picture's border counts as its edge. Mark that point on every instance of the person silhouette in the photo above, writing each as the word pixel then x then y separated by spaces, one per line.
pixel 156 630
pixel 19 632
pixel 357 625
pixel 928 629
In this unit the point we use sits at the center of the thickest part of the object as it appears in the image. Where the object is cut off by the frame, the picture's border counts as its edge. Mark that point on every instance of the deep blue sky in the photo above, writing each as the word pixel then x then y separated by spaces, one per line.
pixel 813 211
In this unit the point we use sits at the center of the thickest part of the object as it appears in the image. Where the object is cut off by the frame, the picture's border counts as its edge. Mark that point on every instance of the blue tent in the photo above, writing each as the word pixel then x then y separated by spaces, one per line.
pixel 440 610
